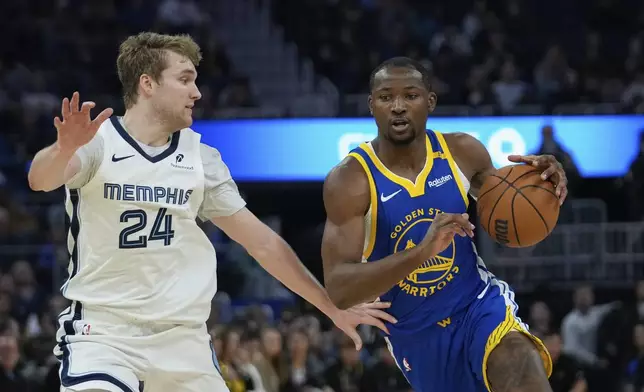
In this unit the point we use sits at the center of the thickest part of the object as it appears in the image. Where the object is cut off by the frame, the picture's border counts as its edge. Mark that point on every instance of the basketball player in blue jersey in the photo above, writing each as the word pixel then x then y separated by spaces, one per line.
pixel 397 231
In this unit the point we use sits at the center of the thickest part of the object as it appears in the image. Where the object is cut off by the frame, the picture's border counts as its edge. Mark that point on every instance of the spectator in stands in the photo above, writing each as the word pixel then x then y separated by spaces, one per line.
pixel 567 375
pixel 634 377
pixel 237 379
pixel 28 298
pixel 554 79
pixel 509 90
pixel 346 374
pixel 384 375
pixel 579 328
pixel 304 371
pixel 10 378
pixel 275 371
pixel 633 95
pixel 540 320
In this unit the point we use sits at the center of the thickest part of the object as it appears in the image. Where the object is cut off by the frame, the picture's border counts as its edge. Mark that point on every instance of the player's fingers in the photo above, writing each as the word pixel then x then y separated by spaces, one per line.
pixel 549 172
pixel 457 229
pixel 463 220
pixel 530 159
pixel 353 334
pixel 65 109
pixel 563 194
pixel 75 102
pixel 374 321
pixel 377 305
pixel 102 116
pixel 57 123
pixel 379 314
pixel 86 107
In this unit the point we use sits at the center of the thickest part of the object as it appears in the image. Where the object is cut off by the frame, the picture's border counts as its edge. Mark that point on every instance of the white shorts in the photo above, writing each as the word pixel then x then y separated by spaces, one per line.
pixel 100 351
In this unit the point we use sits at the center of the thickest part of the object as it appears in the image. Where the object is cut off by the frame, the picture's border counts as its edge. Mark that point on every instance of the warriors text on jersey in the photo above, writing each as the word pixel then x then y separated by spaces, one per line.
pixel 400 214
pixel 136 249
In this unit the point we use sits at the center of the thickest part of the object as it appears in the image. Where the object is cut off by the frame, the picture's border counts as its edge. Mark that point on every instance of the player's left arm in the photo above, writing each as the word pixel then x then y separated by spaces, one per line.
pixel 224 206
pixel 473 159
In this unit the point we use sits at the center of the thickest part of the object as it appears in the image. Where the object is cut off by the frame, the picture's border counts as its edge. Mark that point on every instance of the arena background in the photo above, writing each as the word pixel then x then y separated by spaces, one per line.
pixel 284 86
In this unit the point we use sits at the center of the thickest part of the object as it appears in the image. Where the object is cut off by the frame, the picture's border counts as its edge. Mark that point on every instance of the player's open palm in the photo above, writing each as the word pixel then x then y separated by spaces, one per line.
pixel 77 127
pixel 443 229
pixel 370 314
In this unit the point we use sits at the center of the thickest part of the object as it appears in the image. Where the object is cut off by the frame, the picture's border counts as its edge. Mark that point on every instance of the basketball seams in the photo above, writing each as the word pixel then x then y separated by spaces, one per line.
pixel 497 202
pixel 518 191
pixel 514 220
pixel 503 180
pixel 494 187
pixel 540 187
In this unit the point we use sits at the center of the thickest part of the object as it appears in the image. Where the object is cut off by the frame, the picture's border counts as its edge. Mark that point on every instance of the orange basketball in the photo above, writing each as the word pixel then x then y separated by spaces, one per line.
pixel 516 207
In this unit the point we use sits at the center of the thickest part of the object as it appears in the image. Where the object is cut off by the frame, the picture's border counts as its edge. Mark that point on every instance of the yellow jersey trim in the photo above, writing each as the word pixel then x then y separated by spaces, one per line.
pixel 416 188
pixel 453 167
pixel 374 205
pixel 508 325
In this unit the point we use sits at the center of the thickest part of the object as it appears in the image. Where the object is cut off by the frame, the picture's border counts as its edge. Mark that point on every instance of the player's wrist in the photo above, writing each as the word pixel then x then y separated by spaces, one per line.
pixel 64 150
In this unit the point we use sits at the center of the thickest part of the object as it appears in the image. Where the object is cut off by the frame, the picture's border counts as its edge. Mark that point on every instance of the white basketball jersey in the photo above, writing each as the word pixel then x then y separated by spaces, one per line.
pixel 136 249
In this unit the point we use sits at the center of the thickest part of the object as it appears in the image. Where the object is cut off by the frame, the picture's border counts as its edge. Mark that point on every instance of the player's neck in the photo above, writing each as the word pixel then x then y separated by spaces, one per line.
pixel 411 156
pixel 146 128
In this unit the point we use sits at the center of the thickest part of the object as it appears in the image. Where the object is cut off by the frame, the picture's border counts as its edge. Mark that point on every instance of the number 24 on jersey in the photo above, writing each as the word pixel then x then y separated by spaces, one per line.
pixel 161 229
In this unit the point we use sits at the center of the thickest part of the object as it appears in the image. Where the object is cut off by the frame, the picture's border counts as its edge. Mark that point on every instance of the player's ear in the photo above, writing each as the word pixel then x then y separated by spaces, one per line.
pixel 370 104
pixel 146 83
pixel 431 101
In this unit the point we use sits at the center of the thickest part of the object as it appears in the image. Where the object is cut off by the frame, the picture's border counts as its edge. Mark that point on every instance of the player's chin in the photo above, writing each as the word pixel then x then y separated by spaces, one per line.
pixel 402 136
pixel 186 118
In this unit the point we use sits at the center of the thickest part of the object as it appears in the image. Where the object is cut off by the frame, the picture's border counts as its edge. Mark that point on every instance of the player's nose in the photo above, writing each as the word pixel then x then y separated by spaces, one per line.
pixel 398 106
pixel 196 94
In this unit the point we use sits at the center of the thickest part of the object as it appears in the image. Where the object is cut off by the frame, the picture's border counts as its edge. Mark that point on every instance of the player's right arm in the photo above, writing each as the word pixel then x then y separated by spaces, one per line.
pixel 71 155
pixel 347 279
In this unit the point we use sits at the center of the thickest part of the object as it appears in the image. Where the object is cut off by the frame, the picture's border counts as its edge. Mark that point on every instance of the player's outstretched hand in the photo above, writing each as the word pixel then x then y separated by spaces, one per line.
pixel 442 231
pixel 369 313
pixel 552 171
pixel 77 127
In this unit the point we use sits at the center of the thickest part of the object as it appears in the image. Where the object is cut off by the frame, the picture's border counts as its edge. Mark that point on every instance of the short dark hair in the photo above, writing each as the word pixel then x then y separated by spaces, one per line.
pixel 402 62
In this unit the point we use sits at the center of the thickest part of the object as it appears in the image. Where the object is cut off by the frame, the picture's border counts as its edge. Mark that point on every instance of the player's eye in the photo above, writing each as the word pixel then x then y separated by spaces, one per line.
pixel 412 96
pixel 385 98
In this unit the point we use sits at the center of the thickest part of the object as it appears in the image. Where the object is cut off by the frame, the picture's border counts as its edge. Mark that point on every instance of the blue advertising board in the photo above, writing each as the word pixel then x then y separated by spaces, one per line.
pixel 306 149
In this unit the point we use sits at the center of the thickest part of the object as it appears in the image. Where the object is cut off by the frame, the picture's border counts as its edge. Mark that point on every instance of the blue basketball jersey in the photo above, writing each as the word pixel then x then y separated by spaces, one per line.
pixel 400 215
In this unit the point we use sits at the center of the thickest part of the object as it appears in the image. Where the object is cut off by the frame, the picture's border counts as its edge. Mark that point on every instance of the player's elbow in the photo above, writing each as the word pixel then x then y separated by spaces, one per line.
pixel 35 184
pixel 340 301
pixel 39 184
pixel 338 293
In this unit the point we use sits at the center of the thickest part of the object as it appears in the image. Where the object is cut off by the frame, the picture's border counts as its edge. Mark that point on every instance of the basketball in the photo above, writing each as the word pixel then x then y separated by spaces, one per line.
pixel 516 207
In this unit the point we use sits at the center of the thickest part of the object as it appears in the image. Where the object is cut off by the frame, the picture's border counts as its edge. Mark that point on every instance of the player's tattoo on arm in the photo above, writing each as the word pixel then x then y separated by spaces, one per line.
pixel 516 366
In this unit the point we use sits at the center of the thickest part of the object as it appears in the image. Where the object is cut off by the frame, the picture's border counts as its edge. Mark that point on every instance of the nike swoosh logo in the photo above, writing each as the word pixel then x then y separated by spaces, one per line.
pixel 384 198
pixel 115 159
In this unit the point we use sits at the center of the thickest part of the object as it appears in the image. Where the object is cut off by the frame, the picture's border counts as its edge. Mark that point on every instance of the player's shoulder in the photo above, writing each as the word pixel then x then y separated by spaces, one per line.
pixel 209 153
pixel 465 146
pixel 347 182
pixel 347 172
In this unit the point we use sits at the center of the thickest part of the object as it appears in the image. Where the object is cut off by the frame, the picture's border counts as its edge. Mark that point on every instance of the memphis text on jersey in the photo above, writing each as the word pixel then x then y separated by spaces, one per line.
pixel 155 194
pixel 437 272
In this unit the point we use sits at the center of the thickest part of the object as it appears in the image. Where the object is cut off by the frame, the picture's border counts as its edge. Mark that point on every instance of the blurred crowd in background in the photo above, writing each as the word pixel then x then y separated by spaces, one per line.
pixel 289 58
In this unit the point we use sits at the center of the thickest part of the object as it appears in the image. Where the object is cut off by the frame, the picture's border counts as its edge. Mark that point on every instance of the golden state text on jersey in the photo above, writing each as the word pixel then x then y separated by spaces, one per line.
pixel 400 214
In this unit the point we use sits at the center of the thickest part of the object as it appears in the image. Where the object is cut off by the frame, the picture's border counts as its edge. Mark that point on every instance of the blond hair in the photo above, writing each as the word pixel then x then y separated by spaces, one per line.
pixel 145 53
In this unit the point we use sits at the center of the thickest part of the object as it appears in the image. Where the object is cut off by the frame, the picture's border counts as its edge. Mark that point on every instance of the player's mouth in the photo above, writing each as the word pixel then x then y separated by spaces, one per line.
pixel 400 124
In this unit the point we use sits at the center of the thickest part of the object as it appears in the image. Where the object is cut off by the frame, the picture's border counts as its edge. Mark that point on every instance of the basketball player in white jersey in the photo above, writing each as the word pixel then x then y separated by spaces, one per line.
pixel 142 273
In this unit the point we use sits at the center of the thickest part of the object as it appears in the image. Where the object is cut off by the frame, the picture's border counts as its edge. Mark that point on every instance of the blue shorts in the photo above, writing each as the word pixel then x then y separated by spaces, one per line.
pixel 451 355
